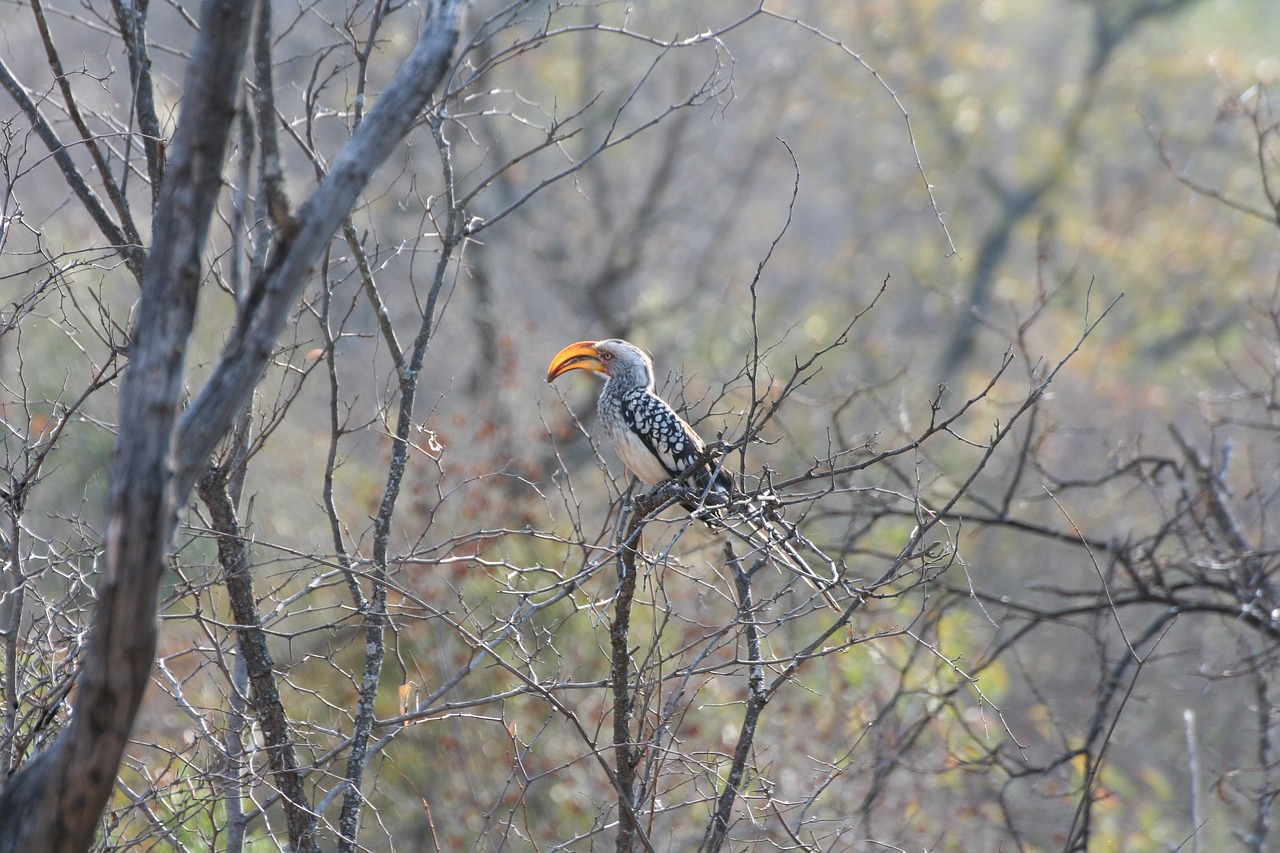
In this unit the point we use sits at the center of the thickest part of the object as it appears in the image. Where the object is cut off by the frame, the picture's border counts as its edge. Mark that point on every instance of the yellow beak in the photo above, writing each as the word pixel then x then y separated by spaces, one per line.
pixel 580 356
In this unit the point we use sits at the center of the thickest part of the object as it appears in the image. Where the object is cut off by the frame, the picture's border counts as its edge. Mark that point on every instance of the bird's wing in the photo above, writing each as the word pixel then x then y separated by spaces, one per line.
pixel 662 433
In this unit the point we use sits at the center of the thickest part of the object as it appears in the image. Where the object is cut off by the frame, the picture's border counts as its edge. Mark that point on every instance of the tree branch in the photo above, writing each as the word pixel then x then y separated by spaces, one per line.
pixel 54 803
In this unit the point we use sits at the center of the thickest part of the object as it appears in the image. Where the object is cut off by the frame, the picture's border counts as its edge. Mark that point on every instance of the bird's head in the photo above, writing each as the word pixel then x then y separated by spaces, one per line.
pixel 614 359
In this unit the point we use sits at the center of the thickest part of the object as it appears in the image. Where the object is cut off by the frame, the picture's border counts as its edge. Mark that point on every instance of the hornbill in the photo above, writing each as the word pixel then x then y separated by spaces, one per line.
pixel 657 445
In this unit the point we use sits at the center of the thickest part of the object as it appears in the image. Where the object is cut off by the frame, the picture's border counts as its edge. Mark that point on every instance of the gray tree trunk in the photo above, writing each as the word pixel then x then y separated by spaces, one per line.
pixel 55 802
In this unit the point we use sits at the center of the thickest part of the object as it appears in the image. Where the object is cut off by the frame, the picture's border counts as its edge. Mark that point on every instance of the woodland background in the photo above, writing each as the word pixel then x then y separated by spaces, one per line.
pixel 1044 452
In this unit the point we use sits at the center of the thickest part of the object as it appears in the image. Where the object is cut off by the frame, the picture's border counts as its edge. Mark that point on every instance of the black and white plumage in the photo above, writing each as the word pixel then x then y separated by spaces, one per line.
pixel 649 437
pixel 655 443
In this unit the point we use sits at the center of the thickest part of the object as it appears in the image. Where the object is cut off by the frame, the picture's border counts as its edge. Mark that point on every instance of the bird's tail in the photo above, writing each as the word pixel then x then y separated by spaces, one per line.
pixel 756 522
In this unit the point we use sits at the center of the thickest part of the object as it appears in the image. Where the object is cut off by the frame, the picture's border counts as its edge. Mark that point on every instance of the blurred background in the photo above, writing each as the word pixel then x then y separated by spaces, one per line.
pixel 712 181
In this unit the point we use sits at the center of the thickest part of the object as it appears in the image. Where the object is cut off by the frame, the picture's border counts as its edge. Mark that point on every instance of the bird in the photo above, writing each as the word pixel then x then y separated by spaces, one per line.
pixel 657 445
pixel 653 442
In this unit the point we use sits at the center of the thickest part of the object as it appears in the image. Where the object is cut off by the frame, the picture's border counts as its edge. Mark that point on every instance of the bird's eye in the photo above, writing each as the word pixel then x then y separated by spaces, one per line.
pixel 606 356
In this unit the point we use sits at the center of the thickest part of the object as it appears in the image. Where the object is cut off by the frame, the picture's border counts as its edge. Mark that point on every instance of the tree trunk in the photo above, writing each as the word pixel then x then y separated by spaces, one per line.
pixel 55 802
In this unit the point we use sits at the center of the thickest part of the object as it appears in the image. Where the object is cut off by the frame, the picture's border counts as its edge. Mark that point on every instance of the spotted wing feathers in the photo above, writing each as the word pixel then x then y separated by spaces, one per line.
pixel 668 440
